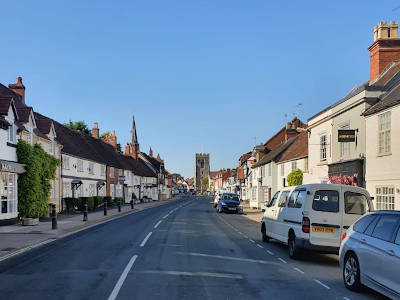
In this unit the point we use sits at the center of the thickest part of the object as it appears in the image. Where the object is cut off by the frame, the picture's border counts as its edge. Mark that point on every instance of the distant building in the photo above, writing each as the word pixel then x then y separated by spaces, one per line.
pixel 201 168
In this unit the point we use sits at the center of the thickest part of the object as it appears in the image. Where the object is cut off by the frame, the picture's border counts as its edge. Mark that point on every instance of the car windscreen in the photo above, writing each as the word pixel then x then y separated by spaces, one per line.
pixel 230 197
pixel 326 200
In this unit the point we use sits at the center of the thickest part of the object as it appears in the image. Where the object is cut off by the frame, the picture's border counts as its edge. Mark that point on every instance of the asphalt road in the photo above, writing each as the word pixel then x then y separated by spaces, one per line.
pixel 181 250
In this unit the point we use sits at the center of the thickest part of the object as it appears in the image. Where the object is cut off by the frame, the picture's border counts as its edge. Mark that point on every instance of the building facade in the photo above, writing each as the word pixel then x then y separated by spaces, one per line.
pixel 201 168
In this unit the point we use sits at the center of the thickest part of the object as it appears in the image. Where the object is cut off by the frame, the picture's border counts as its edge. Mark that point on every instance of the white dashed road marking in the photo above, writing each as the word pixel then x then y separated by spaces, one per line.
pixel 158 223
pixel 270 252
pixel 345 298
pixel 298 270
pixel 145 239
pixel 260 246
pixel 320 283
pixel 166 216
pixel 122 278
pixel 282 260
pixel 251 240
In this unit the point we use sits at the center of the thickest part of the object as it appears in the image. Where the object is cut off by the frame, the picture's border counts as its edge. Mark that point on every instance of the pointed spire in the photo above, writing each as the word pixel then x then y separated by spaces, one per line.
pixel 151 152
pixel 134 140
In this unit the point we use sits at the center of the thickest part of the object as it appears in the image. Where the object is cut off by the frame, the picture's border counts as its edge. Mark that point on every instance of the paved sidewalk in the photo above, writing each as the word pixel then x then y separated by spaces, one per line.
pixel 17 238
pixel 253 214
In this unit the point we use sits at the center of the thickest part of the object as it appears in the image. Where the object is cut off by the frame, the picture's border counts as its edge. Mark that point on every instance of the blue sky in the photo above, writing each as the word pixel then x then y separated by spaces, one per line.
pixel 199 76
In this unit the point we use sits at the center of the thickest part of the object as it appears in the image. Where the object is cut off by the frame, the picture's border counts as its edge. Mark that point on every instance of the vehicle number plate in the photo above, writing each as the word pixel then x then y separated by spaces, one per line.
pixel 322 229
pixel 232 208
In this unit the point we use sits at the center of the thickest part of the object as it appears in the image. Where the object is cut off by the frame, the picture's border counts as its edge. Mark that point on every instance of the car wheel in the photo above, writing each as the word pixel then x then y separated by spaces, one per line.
pixel 351 272
pixel 293 249
pixel 265 237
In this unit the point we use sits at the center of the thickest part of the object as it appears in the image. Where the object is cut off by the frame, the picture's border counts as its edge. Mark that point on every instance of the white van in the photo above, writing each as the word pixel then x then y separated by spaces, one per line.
pixel 313 216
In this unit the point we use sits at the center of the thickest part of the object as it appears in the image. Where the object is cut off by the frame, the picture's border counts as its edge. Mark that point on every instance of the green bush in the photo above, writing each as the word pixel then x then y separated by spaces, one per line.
pixel 34 185
pixel 134 196
pixel 69 203
pixel 295 177
pixel 97 201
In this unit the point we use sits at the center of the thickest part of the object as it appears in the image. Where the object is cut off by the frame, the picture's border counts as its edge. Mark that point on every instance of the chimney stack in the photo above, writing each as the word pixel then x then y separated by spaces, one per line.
pixel 385 48
pixel 111 139
pixel 95 130
pixel 18 88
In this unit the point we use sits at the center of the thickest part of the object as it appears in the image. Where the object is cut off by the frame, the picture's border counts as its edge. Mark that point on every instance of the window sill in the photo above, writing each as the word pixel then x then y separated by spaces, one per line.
pixel 322 163
pixel 384 154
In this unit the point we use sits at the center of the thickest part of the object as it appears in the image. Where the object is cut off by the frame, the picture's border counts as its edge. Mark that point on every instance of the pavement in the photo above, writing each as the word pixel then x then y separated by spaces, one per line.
pixel 180 250
pixel 16 238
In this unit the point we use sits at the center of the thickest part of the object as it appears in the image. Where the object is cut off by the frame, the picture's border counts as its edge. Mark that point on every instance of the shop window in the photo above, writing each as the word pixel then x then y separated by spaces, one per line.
pixel 8 193
pixel 385 197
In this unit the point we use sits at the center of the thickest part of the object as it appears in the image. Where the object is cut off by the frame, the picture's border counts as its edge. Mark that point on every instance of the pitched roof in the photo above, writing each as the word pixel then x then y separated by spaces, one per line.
pixel 154 162
pixel 137 166
pixel 298 149
pixel 43 123
pixel 5 103
pixel 24 113
pixel 85 146
pixel 274 154
pixel 213 174
pixel 390 99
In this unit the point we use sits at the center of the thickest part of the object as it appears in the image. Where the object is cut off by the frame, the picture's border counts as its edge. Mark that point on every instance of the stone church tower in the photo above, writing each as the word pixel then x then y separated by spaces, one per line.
pixel 201 168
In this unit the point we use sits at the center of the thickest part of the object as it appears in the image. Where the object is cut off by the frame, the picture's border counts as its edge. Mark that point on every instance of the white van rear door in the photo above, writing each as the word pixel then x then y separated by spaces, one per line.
pixel 356 204
pixel 325 218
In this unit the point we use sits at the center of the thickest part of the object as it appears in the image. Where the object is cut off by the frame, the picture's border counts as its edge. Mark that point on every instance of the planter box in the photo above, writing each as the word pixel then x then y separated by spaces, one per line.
pixel 30 221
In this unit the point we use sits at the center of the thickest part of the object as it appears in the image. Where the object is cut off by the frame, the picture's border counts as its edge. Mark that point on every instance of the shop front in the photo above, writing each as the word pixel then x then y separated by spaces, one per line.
pixel 9 191
pixel 349 172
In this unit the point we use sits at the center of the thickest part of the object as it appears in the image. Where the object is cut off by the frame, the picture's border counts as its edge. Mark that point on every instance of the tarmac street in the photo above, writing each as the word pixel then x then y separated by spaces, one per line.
pixel 180 250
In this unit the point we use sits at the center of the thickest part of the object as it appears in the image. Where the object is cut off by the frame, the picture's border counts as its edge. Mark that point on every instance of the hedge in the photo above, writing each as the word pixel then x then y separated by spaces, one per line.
pixel 77 204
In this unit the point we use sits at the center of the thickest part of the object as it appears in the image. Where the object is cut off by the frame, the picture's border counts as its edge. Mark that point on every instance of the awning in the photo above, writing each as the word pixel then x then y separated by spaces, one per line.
pixel 76 181
pixel 101 183
pixel 10 166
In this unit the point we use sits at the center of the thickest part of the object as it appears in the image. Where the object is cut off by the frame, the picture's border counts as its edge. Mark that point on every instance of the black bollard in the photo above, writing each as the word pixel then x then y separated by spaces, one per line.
pixel 119 205
pixel 105 206
pixel 53 217
pixel 132 204
pixel 85 211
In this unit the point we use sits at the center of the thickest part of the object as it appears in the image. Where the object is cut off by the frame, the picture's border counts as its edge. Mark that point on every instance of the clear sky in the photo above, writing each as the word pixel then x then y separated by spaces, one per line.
pixel 200 76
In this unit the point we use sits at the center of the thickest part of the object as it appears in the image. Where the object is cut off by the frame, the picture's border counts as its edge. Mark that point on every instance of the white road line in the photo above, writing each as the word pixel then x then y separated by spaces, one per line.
pixel 251 240
pixel 345 298
pixel 166 216
pixel 171 211
pixel 270 252
pixel 145 239
pixel 158 223
pixel 202 274
pixel 240 232
pixel 324 285
pixel 260 246
pixel 298 270
pixel 282 260
pixel 245 236
pixel 122 278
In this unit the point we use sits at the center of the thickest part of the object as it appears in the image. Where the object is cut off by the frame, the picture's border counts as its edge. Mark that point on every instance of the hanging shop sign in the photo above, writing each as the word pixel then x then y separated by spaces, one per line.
pixel 346 135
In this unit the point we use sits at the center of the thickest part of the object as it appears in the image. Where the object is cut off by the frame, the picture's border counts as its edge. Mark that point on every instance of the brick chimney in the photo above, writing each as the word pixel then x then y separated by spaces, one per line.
pixel 18 88
pixel 112 139
pixel 385 48
pixel 95 130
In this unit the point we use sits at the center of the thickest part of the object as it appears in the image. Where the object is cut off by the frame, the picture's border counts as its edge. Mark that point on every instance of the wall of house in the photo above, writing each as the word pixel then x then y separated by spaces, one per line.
pixel 8 152
pixel 89 179
pixel 383 170
pixel 300 164
pixel 318 170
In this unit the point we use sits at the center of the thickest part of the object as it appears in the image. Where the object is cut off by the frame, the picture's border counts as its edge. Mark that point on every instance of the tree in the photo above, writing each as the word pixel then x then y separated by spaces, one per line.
pixel 34 185
pixel 78 126
pixel 204 183
pixel 295 177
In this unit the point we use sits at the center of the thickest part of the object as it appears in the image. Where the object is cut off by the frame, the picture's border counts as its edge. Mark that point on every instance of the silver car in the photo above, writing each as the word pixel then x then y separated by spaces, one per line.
pixel 370 253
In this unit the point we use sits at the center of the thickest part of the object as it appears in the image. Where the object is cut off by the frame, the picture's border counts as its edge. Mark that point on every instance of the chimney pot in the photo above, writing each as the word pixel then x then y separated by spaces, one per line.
pixel 18 88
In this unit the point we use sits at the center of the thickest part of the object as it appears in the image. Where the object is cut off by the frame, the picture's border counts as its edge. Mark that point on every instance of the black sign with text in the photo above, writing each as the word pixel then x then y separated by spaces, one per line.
pixel 346 135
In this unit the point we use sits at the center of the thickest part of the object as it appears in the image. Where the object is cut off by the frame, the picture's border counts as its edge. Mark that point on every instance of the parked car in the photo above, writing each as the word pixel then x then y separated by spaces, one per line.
pixel 216 199
pixel 370 253
pixel 313 216
pixel 175 192
pixel 229 203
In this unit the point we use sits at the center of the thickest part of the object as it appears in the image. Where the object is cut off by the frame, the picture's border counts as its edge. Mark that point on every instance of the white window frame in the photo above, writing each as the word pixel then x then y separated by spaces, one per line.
pixel 385 197
pixel 283 169
pixel 65 163
pixel 91 168
pixel 112 172
pixel 103 170
pixel 323 150
pixel 294 165
pixel 11 133
pixel 79 165
pixel 384 133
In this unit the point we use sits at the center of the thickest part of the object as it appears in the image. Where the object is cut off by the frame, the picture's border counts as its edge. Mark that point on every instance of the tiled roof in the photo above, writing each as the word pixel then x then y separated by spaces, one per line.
pixel 245 157
pixel 5 103
pixel 85 146
pixel 274 154
pixel 137 166
pixel 24 113
pixel 213 174
pixel 43 123
pixel 392 98
pixel 154 162
pixel 298 149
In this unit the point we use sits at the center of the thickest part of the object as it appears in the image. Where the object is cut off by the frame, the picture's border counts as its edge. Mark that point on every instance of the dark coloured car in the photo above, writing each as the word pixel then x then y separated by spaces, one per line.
pixel 229 203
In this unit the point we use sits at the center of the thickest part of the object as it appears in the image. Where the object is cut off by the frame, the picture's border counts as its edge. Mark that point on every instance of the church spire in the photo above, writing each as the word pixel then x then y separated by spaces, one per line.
pixel 134 140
